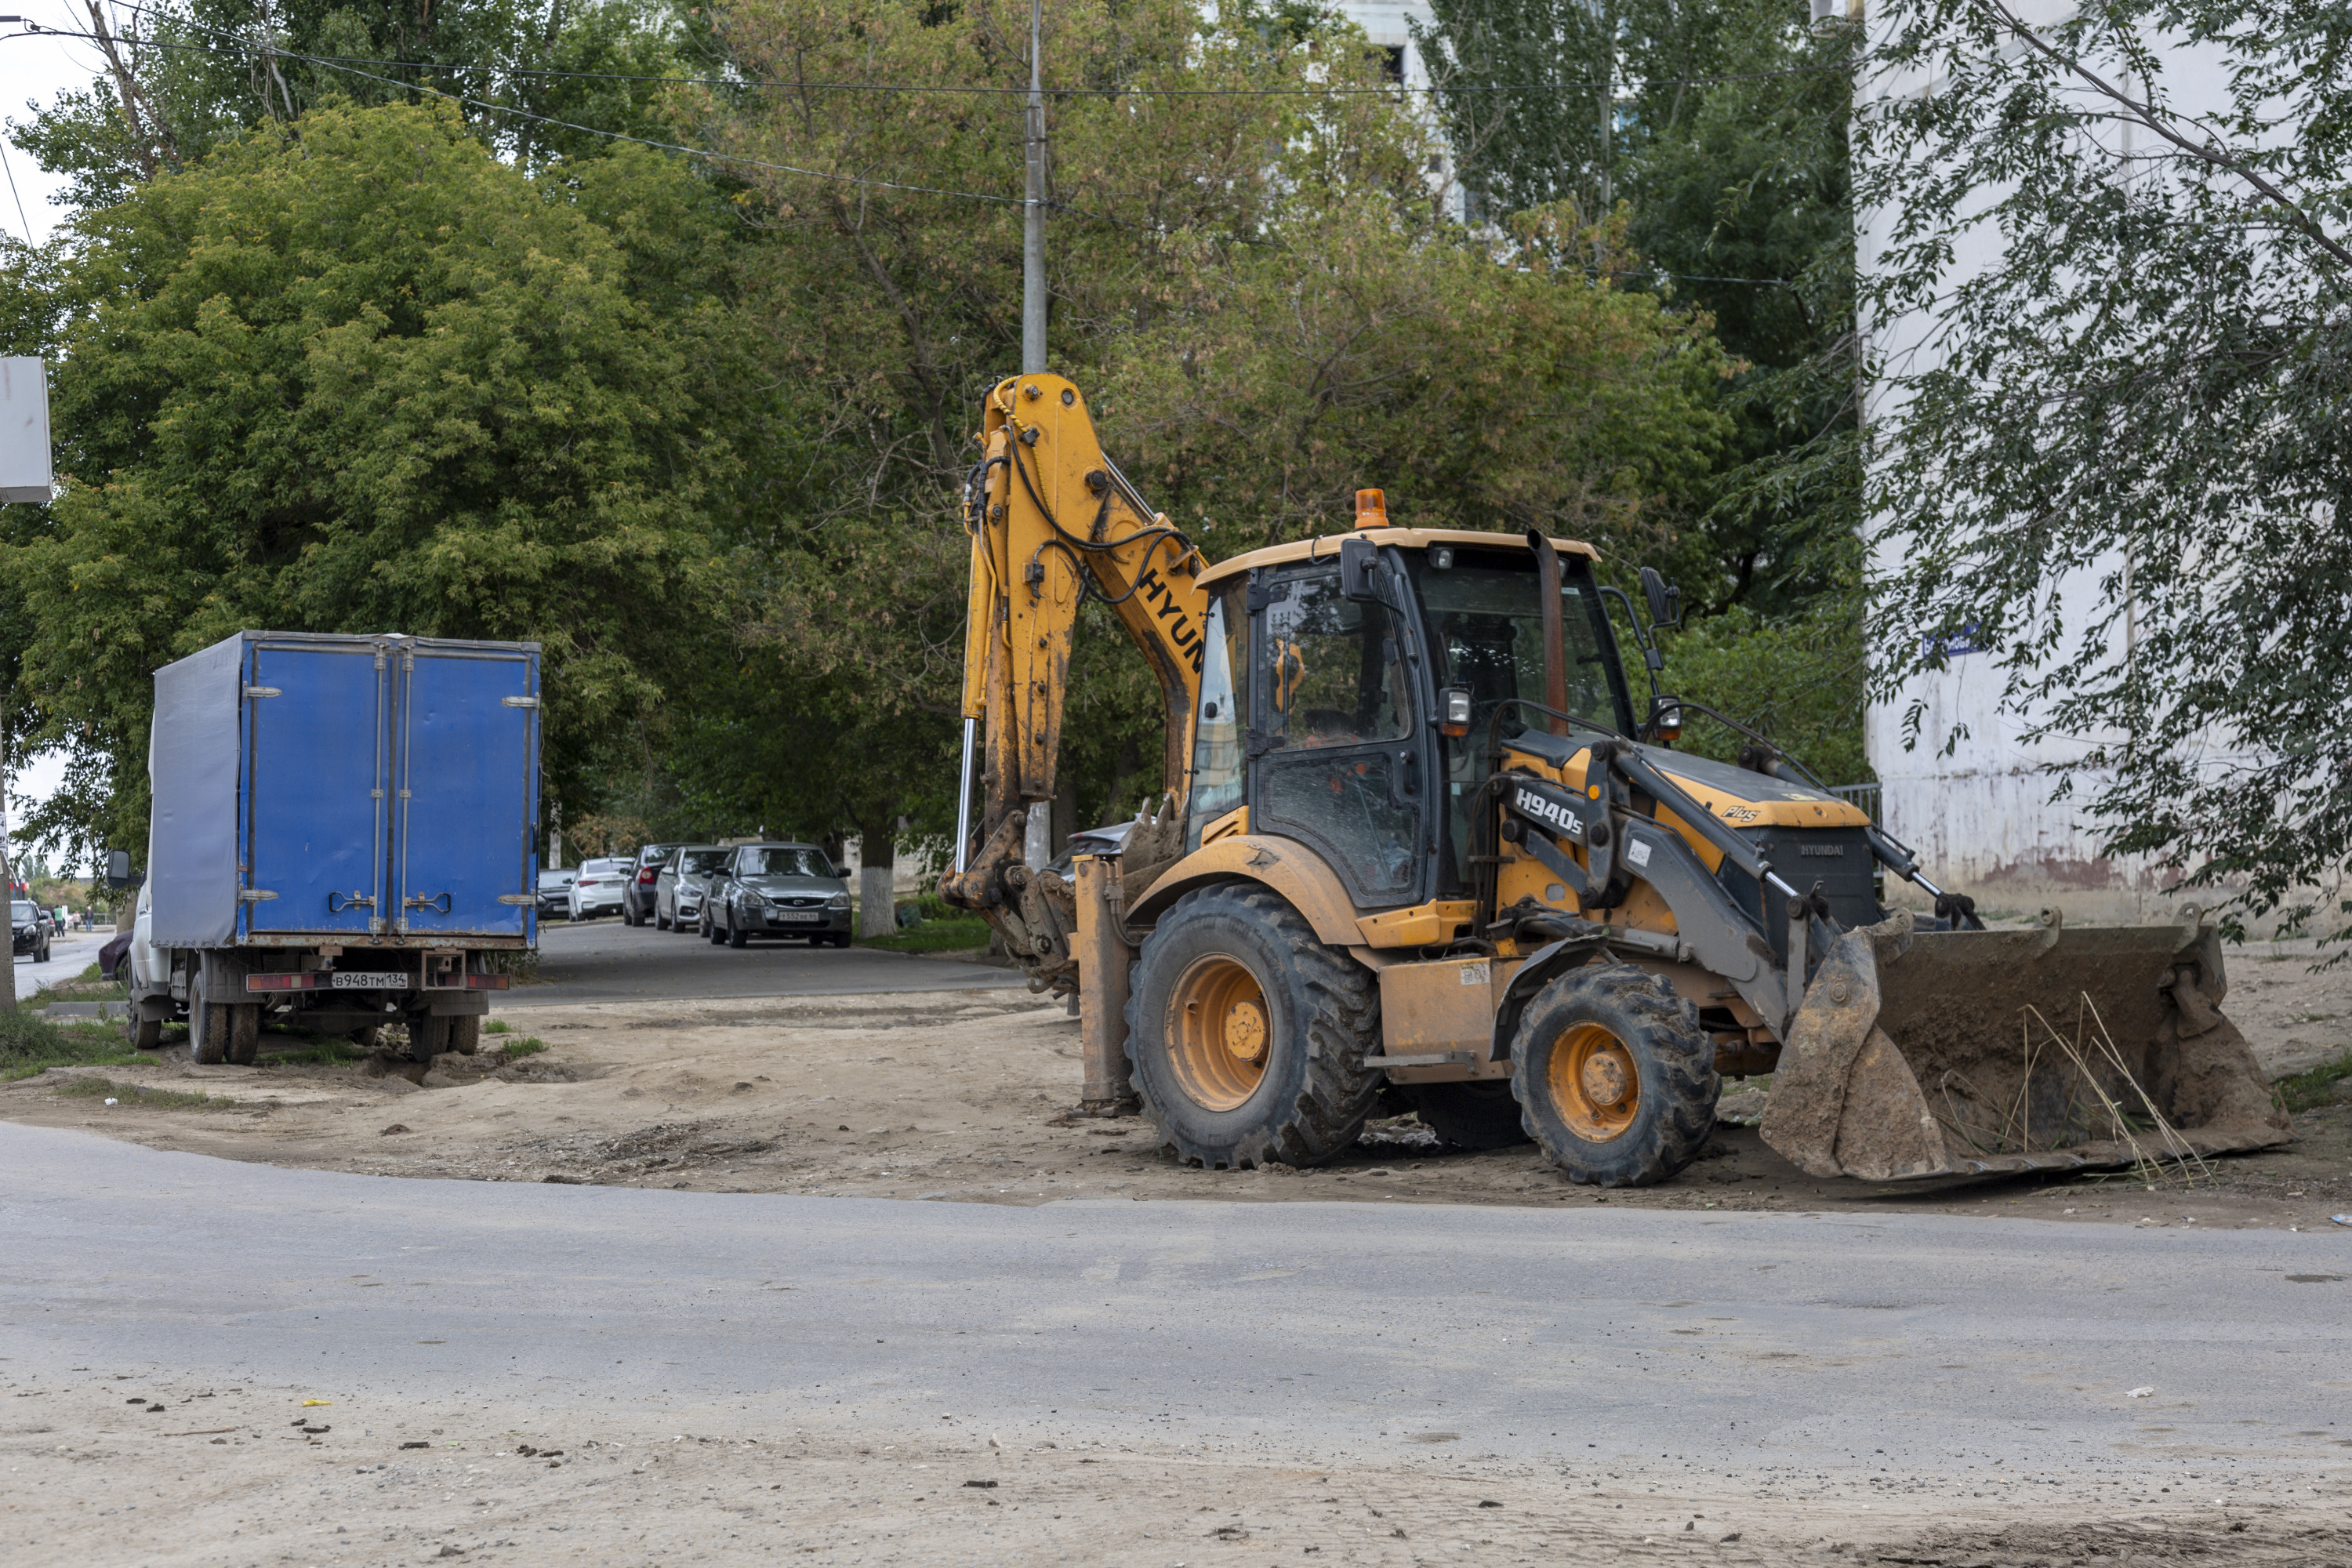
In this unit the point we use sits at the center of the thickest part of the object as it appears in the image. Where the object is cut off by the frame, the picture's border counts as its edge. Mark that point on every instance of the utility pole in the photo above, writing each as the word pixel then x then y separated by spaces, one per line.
pixel 1037 835
pixel 1032 248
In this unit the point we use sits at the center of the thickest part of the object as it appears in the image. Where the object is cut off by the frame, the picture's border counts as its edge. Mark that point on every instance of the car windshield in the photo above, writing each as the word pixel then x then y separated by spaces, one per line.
pixel 698 862
pixel 21 911
pixel 601 868
pixel 782 860
pixel 562 879
pixel 654 854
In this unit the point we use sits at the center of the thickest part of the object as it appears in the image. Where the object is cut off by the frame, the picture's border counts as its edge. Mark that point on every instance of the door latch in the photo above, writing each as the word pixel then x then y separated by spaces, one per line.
pixel 349 901
pixel 438 903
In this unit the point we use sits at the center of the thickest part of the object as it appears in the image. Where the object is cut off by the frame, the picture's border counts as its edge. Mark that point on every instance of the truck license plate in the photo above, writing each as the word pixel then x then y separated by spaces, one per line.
pixel 367 980
pixel 803 917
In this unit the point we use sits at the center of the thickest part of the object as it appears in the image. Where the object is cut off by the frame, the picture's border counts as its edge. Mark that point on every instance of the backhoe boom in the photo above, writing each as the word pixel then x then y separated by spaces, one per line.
pixel 1052 520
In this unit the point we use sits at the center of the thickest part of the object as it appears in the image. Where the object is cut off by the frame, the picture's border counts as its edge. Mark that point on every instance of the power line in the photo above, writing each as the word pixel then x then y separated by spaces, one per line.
pixel 1308 90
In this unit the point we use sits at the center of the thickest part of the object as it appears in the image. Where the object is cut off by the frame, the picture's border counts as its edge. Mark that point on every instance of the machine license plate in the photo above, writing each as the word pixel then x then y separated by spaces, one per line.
pixel 804 917
pixel 367 980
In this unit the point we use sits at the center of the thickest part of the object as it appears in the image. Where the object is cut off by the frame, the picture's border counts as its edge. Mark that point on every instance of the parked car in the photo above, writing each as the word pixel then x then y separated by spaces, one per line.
pixel 32 928
pixel 597 891
pixel 777 890
pixel 637 894
pixel 555 893
pixel 685 878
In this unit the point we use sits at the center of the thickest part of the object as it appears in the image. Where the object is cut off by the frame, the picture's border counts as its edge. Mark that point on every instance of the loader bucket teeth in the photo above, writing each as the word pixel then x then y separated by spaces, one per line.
pixel 1970 1053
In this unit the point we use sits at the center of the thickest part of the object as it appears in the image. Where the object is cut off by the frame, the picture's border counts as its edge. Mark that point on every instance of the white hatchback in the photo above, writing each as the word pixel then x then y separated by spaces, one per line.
pixel 597 891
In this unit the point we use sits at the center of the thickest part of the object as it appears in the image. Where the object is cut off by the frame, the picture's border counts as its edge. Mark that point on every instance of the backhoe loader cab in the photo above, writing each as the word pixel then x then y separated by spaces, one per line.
pixel 1421 846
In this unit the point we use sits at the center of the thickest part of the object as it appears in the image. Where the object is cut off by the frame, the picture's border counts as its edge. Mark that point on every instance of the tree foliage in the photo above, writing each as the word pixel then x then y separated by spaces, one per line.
pixel 370 378
pixel 2117 465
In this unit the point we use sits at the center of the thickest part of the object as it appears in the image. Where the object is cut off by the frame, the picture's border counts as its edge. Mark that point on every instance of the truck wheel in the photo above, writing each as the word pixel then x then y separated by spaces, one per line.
pixel 369 1038
pixel 144 1032
pixel 1616 1077
pixel 1248 1036
pixel 208 1029
pixel 243 1033
pixel 465 1034
pixel 428 1036
pixel 1474 1116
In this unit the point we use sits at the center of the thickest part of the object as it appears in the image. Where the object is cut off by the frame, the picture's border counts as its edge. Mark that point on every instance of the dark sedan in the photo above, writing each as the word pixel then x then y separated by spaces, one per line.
pixel 778 890
pixel 31 926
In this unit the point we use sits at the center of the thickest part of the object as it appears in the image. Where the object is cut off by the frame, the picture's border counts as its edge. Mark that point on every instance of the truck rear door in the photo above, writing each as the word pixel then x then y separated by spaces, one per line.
pixel 317 730
pixel 466 765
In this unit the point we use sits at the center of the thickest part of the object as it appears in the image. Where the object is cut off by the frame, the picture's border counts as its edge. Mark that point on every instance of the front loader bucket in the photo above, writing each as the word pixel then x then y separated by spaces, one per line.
pixel 1967 1053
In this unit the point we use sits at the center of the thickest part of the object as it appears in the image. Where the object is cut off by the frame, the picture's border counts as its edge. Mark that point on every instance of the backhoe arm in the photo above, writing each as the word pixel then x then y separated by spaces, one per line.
pixel 1051 520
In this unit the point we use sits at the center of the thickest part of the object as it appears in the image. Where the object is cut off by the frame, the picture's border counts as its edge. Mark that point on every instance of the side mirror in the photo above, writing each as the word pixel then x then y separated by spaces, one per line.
pixel 1454 705
pixel 1666 600
pixel 1359 570
pixel 118 869
pixel 841 872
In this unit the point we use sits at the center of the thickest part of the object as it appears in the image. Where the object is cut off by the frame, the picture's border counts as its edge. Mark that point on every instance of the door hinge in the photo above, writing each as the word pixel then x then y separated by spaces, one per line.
pixel 403 794
pixel 255 896
pixel 517 897
pixel 519 701
pixel 263 691
pixel 376 795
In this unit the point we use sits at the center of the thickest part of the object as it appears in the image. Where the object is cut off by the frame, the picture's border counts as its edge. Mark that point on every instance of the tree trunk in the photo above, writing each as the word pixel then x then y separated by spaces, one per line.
pixel 877 854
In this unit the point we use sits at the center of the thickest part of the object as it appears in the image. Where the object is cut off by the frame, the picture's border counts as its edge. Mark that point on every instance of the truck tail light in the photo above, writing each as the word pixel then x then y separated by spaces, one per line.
pixel 310 980
pixel 486 982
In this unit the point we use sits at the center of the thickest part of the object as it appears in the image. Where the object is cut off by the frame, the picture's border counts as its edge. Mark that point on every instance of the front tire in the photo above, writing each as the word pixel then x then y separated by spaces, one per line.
pixel 736 936
pixel 1615 1077
pixel 1248 1036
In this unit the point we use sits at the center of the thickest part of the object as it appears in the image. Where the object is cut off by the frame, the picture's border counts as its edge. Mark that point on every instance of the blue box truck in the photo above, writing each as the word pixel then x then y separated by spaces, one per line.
pixel 341 839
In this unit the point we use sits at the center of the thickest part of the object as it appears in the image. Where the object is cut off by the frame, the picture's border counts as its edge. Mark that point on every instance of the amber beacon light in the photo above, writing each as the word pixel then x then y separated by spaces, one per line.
pixel 1371 509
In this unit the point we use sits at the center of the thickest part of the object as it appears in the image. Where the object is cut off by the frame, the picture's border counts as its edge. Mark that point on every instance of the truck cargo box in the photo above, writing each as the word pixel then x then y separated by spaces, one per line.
pixel 378 790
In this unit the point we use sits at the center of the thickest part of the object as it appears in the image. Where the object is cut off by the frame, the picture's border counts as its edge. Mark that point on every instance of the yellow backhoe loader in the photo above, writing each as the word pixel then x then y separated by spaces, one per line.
pixel 1420 845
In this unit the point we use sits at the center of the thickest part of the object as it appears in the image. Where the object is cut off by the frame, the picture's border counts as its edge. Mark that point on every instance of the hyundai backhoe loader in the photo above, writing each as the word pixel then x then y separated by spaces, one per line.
pixel 1419 844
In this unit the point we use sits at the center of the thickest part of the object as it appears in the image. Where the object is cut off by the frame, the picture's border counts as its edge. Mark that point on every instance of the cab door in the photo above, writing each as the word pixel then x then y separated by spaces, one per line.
pixel 1336 753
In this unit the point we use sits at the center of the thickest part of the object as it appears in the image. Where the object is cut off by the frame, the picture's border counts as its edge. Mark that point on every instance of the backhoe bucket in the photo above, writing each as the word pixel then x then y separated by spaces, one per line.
pixel 1968 1053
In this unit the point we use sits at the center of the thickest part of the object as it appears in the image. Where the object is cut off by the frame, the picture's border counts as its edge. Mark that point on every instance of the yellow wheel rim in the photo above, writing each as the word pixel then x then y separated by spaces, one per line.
pixel 1219 1033
pixel 1594 1082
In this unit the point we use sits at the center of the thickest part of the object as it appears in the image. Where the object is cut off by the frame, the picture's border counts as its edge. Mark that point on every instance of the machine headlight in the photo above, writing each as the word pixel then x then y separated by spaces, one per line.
pixel 838 901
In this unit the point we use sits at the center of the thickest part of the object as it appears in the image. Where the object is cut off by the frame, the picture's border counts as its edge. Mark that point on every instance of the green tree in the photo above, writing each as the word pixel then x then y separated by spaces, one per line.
pixel 197 73
pixel 2122 471
pixel 369 377
pixel 1258 287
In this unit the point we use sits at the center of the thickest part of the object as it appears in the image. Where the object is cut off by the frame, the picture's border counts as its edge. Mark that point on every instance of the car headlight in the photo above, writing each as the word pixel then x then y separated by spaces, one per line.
pixel 838 901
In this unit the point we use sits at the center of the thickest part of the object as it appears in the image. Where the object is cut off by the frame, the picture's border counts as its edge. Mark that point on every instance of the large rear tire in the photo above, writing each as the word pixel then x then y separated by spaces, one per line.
pixel 1248 1036
pixel 1474 1116
pixel 243 1033
pixel 208 1029
pixel 465 1034
pixel 428 1036
pixel 1616 1075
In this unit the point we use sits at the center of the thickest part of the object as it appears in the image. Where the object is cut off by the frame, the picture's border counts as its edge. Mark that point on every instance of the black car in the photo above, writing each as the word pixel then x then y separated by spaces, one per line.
pixel 777 890
pixel 637 895
pixel 31 926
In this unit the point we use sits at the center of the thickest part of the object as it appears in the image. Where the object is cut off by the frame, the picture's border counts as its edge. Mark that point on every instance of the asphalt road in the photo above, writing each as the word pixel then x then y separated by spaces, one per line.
pixel 604 961
pixel 1918 1342
pixel 71 952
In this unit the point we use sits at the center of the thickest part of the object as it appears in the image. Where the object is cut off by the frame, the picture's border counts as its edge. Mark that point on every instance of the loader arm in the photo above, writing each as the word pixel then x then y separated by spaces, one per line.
pixel 1052 519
